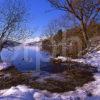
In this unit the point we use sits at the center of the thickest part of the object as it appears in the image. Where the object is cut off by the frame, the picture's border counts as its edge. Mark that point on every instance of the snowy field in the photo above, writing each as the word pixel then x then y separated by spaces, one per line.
pixel 90 91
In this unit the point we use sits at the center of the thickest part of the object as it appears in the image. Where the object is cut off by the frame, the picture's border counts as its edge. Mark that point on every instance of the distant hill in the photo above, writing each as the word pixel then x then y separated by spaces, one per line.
pixel 11 43
pixel 34 43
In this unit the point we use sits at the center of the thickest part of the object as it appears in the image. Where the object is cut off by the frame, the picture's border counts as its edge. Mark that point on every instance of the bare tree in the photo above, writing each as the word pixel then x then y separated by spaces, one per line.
pixel 83 10
pixel 12 17
pixel 55 25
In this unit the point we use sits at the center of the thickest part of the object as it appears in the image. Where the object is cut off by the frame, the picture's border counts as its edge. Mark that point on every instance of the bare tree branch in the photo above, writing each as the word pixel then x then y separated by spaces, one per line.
pixel 84 10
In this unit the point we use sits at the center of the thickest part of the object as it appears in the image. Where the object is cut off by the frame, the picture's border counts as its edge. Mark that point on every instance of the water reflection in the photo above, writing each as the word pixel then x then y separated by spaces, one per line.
pixel 26 58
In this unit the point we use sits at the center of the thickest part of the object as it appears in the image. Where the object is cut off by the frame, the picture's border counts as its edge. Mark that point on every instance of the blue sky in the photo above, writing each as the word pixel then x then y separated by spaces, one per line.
pixel 41 13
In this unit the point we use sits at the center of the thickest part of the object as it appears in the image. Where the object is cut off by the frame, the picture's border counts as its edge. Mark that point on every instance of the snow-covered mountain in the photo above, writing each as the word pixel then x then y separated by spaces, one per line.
pixel 33 41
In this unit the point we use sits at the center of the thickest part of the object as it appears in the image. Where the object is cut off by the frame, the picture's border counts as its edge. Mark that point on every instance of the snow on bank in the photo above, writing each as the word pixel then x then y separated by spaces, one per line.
pixel 81 93
pixel 25 93
pixel 5 65
pixel 90 58
pixel 93 58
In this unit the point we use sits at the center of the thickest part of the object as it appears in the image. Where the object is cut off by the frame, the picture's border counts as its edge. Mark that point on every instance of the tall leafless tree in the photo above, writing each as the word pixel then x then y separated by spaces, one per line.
pixel 83 10
pixel 55 25
pixel 12 18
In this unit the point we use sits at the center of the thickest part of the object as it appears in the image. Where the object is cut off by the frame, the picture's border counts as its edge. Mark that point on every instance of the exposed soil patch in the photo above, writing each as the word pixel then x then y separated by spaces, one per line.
pixel 75 75
pixel 11 77
pixel 73 78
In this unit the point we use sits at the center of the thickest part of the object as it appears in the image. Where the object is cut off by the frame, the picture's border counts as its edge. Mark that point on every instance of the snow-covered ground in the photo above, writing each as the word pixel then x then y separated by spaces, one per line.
pixel 5 65
pixel 22 92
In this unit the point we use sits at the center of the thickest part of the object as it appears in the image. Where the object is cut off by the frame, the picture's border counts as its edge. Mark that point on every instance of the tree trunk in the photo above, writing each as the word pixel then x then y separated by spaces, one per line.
pixel 0 58
pixel 0 53
pixel 85 35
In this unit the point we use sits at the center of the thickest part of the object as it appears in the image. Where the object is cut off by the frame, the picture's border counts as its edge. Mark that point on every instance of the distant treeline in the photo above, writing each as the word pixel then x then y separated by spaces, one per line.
pixel 71 45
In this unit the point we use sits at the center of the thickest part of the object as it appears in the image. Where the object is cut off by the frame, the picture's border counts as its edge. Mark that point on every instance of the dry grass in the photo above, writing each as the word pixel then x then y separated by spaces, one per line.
pixel 75 75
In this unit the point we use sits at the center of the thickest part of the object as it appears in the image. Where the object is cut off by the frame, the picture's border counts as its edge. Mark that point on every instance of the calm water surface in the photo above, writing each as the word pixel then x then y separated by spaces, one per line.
pixel 27 58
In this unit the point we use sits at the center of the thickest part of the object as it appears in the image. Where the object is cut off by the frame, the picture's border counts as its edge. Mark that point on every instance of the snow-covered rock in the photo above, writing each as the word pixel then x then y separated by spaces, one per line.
pixel 63 59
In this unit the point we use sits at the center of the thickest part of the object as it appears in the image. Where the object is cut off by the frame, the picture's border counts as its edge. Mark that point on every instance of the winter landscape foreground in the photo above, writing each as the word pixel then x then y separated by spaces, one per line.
pixel 90 91
pixel 49 49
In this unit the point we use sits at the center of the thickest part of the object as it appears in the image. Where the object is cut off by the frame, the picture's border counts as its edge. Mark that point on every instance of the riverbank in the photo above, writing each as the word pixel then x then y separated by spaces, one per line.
pixel 75 74
pixel 88 91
